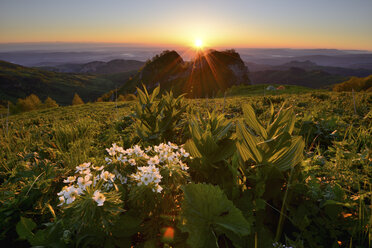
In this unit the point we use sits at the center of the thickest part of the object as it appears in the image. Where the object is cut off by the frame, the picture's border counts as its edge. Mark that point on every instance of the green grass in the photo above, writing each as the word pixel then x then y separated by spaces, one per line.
pixel 337 150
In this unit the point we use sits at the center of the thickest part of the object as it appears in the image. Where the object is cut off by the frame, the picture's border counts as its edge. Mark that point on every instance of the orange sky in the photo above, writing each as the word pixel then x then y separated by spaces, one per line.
pixel 267 23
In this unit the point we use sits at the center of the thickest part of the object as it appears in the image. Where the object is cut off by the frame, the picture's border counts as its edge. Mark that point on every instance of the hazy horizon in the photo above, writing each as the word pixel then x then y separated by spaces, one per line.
pixel 7 46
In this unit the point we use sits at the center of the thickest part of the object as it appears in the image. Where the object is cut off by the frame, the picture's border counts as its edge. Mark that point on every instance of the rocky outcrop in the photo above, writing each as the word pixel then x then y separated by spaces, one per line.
pixel 209 73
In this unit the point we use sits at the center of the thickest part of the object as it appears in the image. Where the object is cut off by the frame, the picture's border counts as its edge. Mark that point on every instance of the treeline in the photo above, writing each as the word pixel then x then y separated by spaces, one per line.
pixel 356 84
pixel 110 97
pixel 33 102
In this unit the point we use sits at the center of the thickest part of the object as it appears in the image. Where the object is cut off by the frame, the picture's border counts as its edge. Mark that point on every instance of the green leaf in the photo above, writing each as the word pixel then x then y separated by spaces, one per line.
pixel 24 228
pixel 247 144
pixel 126 226
pixel 252 121
pixel 207 213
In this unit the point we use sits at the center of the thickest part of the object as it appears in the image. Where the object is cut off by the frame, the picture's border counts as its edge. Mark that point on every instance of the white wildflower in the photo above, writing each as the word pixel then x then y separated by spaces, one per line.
pixel 61 201
pixel 72 194
pixel 122 158
pixel 82 168
pixel 183 166
pixel 84 182
pixel 70 179
pixel 154 160
pixel 108 160
pixel 132 162
pixel 99 198
pixel 107 176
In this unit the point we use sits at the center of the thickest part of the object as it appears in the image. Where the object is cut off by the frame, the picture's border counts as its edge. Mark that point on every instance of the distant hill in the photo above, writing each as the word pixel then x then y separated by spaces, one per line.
pixel 18 82
pixel 297 76
pixel 355 83
pixel 344 60
pixel 98 67
pixel 310 66
pixel 210 72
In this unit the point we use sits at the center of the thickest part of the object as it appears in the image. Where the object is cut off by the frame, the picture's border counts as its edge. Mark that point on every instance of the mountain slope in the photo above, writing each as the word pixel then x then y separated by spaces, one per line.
pixel 356 84
pixel 99 67
pixel 311 66
pixel 18 82
pixel 297 76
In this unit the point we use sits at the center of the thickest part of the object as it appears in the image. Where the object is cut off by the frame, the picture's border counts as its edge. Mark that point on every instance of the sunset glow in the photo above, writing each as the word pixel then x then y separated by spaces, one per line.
pixel 198 43
pixel 282 24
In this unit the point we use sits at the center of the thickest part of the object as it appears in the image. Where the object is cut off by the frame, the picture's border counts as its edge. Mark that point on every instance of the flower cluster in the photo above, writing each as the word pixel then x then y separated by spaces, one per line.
pixel 86 176
pixel 148 175
pixel 149 162
pixel 145 168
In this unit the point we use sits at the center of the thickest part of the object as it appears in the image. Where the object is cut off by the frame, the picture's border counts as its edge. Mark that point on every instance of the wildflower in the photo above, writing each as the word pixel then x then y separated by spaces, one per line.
pixel 99 198
pixel 122 158
pixel 120 149
pixel 153 160
pixel 184 153
pixel 98 168
pixel 132 162
pixel 159 189
pixel 171 145
pixel 83 168
pixel 148 149
pixel 137 150
pixel 122 179
pixel 84 182
pixel 107 176
pixel 71 194
pixel 183 166
pixel 111 151
pixel 129 151
pixel 61 201
pixel 69 179
pixel 146 179
pixel 108 160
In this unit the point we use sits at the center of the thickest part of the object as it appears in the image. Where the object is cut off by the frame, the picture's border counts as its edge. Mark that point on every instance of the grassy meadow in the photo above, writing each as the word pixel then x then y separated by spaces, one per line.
pixel 288 168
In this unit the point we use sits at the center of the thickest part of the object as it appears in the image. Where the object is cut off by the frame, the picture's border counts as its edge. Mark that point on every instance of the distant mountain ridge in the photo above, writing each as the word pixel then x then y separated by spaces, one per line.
pixel 98 67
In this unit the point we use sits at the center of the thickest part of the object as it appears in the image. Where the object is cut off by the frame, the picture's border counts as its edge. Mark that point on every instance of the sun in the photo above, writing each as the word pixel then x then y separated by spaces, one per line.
pixel 198 43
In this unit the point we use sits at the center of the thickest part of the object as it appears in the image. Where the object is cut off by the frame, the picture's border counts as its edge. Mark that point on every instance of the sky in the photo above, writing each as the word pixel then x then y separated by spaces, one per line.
pixel 340 24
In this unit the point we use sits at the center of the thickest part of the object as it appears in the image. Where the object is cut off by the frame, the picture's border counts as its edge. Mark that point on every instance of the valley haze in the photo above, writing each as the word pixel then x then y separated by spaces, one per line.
pixel 50 54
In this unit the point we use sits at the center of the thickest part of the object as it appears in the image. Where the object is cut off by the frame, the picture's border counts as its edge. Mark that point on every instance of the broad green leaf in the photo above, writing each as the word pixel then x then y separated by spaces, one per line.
pixel 247 144
pixel 207 213
pixel 252 121
pixel 24 228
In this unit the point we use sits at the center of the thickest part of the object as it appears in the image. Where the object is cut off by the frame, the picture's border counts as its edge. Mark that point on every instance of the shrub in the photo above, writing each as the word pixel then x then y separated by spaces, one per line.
pixel 50 103
pixel 77 100
pixel 31 102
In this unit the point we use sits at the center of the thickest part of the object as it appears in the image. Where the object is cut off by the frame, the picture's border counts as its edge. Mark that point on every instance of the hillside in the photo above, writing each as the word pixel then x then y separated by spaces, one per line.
pixel 98 67
pixel 297 76
pixel 356 84
pixel 209 73
pixel 18 82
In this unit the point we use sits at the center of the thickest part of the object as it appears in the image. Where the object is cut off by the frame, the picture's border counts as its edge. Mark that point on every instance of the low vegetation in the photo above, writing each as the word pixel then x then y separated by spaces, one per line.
pixel 286 170
pixel 356 84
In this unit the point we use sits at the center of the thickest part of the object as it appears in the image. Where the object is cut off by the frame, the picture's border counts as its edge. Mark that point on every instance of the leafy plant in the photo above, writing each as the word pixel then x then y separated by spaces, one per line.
pixel 212 147
pixel 267 155
pixel 158 120
pixel 210 219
